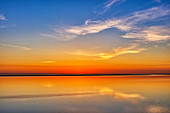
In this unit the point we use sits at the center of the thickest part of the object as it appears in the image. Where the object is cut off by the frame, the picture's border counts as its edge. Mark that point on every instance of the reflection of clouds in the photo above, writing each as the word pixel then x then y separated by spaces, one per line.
pixel 105 91
pixel 133 98
pixel 128 97
pixel 45 95
pixel 158 109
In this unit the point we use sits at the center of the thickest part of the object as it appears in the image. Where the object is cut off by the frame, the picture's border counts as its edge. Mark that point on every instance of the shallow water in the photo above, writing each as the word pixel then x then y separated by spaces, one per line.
pixel 108 94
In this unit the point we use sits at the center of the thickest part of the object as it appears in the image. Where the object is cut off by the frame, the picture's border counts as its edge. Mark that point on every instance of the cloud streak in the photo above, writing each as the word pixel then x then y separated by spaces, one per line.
pixel 106 6
pixel 153 33
pixel 128 24
pixel 114 52
pixel 125 24
pixel 16 46
pixel 110 3
pixel 2 17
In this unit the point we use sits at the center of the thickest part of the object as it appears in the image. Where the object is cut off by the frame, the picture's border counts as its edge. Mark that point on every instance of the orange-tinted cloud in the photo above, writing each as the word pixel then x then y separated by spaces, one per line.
pixel 115 52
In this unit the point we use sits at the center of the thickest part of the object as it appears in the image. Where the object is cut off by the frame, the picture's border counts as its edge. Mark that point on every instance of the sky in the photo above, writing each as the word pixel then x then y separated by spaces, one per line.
pixel 85 36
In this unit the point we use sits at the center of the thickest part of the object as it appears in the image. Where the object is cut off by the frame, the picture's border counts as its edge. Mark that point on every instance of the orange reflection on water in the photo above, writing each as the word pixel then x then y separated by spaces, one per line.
pixel 93 94
pixel 35 85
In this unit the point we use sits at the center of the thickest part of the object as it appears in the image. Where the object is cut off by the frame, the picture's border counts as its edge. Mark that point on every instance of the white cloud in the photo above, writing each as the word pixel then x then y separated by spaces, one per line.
pixel 97 27
pixel 153 33
pixel 2 17
pixel 115 52
pixel 16 46
pixel 127 24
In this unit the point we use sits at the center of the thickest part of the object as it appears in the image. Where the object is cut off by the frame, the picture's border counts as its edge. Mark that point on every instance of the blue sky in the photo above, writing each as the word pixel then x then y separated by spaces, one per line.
pixel 41 15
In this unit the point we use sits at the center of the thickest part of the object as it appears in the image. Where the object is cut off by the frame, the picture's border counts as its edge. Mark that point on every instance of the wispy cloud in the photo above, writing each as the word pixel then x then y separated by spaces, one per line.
pixel 2 17
pixel 153 33
pixel 101 9
pixel 16 46
pixel 128 24
pixel 59 36
pixel 125 23
pixel 114 52
pixel 111 2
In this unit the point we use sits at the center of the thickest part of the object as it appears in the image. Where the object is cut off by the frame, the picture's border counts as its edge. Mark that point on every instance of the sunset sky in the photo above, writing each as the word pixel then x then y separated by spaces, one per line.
pixel 84 36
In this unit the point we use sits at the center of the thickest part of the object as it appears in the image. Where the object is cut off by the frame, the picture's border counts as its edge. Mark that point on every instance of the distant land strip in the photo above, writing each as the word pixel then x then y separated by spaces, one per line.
pixel 47 74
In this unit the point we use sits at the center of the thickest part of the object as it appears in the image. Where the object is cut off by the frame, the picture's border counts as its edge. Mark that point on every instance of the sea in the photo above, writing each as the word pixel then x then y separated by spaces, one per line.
pixel 85 94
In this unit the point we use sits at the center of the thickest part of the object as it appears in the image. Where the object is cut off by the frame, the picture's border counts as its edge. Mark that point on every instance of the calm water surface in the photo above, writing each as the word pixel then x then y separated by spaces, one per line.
pixel 109 94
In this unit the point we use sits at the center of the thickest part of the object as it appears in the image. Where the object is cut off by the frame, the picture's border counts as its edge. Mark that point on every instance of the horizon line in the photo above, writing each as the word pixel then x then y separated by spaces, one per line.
pixel 62 74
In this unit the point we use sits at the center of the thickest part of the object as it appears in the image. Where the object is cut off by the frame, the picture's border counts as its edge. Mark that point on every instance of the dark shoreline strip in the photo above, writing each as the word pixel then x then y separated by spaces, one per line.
pixel 41 74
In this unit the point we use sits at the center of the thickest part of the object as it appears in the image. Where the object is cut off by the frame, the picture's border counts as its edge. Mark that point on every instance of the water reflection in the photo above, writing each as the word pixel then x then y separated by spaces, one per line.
pixel 106 91
pixel 148 94
pixel 158 109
